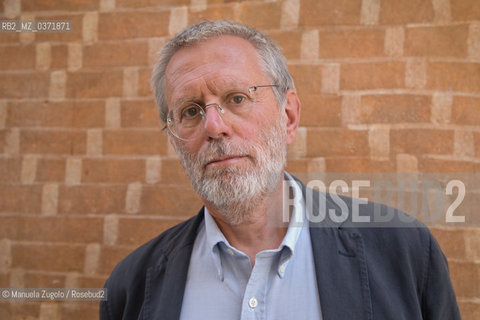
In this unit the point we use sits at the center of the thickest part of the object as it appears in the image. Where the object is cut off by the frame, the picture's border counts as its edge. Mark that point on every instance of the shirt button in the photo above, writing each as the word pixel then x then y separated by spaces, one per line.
pixel 230 251
pixel 253 302
pixel 282 268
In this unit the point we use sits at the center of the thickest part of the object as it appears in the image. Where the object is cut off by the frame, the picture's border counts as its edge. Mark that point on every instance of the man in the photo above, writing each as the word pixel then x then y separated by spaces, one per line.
pixel 231 109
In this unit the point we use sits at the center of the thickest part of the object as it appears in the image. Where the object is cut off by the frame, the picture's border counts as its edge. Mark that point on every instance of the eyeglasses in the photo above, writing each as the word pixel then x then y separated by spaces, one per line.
pixel 186 120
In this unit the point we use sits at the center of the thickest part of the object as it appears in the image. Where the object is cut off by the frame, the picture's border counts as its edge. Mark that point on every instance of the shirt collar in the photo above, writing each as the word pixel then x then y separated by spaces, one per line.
pixel 297 222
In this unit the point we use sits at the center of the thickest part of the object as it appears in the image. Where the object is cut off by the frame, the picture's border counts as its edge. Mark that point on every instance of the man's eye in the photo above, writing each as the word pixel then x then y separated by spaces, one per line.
pixel 238 99
pixel 190 112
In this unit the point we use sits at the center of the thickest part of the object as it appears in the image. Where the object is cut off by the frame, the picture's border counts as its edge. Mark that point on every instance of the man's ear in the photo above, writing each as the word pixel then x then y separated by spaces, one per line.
pixel 292 115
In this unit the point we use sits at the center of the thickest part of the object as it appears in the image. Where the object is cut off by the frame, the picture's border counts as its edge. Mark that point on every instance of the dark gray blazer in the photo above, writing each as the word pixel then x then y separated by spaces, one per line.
pixel 391 271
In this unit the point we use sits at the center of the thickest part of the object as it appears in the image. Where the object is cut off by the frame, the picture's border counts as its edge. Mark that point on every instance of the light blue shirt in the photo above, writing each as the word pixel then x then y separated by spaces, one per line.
pixel 222 285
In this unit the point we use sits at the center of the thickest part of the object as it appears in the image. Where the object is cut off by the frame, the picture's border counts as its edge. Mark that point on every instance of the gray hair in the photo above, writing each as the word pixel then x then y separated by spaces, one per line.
pixel 274 63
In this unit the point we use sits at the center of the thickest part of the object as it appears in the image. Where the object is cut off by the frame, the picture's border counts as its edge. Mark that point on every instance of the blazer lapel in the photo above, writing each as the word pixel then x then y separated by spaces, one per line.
pixel 341 268
pixel 165 286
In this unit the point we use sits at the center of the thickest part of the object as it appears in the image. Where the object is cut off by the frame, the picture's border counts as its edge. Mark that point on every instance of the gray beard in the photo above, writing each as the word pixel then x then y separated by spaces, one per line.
pixel 234 191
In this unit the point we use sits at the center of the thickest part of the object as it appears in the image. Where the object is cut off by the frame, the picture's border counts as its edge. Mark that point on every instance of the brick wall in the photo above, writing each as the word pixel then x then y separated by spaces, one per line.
pixel 86 173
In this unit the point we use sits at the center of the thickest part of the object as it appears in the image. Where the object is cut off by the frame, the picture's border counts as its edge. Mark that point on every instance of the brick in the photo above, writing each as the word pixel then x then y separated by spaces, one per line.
pixel 58 81
pixel 148 3
pixel 454 76
pixel 307 78
pixel 465 10
pixel 172 173
pixel 90 27
pixel 20 199
pixel 296 166
pixel 113 170
pixel 23 310
pixel 132 199
pixel 65 258
pixel 52 229
pixel 49 199
pixel 11 8
pixel 436 165
pixel 94 142
pixel 290 14
pixel 372 75
pixel 130 82
pixel 144 76
pixel 77 114
pixel 12 141
pixel 24 85
pixel 110 229
pixel 442 10
pixel 357 43
pixel 112 113
pixel 379 142
pixel 444 41
pixel 416 73
pixel 309 45
pixel 79 311
pixel 412 141
pixel 135 231
pixel 131 53
pixel 394 41
pixel 59 56
pixel 9 38
pixel 29 169
pixel 4 280
pixel 68 5
pixel 136 114
pixel 61 37
pixel 465 278
pixel 337 142
pixel 441 107
pixel 212 13
pixel 452 242
pixel 403 12
pixel 469 309
pixel 289 41
pixel 321 110
pixel 96 84
pixel 110 256
pixel 43 58
pixel 91 281
pixel 50 170
pixel 100 199
pixel 17 57
pixel 464 143
pixel 73 171
pixel 370 12
pixel 153 170
pixel 154 24
pixel 343 164
pixel 466 110
pixel 476 138
pixel 474 41
pixel 92 257
pixel 40 280
pixel 342 12
pixel 3 134
pixel 393 108
pixel 406 163
pixel 75 56
pixel 53 142
pixel 178 20
pixel 10 170
pixel 260 15
pixel 179 201
pixel 331 78
pixel 128 142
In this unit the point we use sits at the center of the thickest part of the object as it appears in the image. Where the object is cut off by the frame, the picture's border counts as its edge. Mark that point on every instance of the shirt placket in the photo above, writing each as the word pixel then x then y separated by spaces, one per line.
pixel 254 299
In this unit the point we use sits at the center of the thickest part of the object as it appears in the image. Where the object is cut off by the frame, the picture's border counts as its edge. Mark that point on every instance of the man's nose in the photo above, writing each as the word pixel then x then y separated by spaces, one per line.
pixel 214 124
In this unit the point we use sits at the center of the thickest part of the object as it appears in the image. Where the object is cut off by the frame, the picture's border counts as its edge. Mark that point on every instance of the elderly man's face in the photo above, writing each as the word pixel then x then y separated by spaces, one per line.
pixel 230 163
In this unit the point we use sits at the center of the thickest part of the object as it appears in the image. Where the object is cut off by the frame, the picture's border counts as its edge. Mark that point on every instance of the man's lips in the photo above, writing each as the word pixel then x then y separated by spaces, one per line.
pixel 226 159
